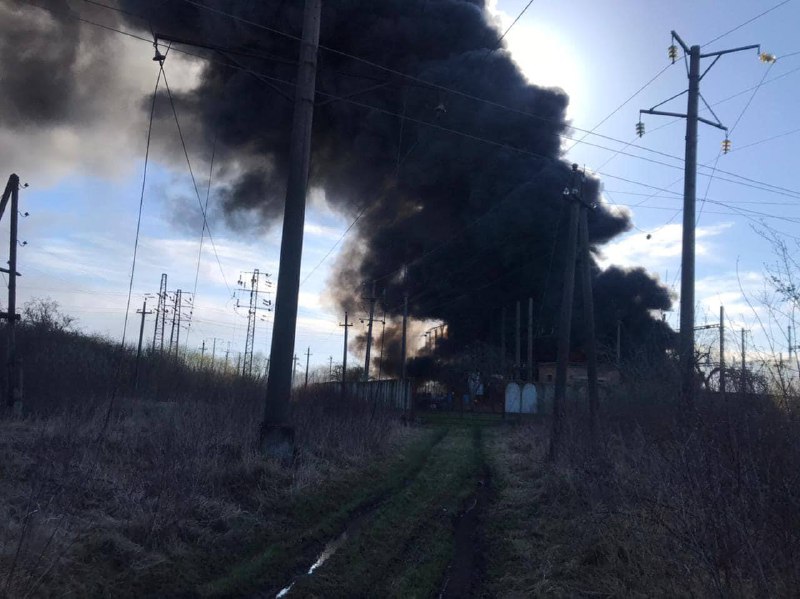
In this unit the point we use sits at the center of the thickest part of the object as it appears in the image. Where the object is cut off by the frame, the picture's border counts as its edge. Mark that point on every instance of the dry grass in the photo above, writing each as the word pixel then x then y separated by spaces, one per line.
pixel 710 509
pixel 166 497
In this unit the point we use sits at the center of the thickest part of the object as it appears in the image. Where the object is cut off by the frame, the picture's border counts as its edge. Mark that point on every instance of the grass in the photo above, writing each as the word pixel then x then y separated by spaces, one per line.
pixel 656 510
pixel 168 498
pixel 403 549
pixel 318 517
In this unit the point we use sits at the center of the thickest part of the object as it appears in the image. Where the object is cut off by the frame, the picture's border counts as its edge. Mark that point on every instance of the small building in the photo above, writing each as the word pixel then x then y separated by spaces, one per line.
pixel 607 374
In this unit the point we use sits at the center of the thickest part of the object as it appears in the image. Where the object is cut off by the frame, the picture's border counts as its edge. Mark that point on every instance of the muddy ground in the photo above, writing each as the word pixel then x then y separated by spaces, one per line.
pixel 426 535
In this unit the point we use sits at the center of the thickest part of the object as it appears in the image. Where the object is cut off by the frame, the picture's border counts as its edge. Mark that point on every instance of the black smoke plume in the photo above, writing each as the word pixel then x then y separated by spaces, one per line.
pixel 464 226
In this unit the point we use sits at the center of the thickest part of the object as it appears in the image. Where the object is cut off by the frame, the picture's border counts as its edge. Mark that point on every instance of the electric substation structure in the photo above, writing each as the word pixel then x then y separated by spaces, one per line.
pixel 578 235
pixel 686 340
pixel 161 316
pixel 255 303
pixel 13 371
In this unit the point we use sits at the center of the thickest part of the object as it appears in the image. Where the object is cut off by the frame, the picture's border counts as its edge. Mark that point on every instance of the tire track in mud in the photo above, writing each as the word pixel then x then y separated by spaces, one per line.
pixel 403 546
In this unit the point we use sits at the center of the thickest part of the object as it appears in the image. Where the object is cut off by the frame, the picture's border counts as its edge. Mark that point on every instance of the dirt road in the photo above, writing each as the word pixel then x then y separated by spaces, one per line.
pixel 420 537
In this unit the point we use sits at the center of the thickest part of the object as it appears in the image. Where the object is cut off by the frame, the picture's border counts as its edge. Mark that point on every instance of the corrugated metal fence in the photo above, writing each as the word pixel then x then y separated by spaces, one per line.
pixel 387 393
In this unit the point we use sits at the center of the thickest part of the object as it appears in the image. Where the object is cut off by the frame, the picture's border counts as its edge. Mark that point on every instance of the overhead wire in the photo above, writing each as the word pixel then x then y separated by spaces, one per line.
pixel 517 111
pixel 732 129
pixel 747 22
pixel 791 193
pixel 194 181
pixel 141 205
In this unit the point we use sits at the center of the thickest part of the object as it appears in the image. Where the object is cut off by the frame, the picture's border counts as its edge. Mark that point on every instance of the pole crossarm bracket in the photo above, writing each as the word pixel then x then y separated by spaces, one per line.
pixel 756 47
pixel 680 115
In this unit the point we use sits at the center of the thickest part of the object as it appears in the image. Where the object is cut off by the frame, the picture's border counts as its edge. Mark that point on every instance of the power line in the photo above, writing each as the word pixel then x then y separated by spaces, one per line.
pixel 620 107
pixel 758 16
pixel 141 205
pixel 475 98
pixel 510 27
pixel 194 181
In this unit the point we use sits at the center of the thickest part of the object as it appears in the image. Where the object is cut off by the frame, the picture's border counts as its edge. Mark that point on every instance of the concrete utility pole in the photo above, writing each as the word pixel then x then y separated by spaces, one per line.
pixel 383 335
pixel 565 319
pixel 175 333
pixel 744 370
pixel 346 326
pixel 722 349
pixel 517 353
pixel 530 339
pixel 144 313
pixel 503 342
pixel 588 318
pixel 330 368
pixel 578 231
pixel 227 355
pixel 14 391
pixel 403 348
pixel 308 357
pixel 686 343
pixel 294 368
pixel 276 437
pixel 372 299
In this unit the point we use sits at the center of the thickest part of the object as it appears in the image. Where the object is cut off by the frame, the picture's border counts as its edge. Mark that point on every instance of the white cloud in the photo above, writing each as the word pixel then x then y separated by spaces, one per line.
pixel 662 250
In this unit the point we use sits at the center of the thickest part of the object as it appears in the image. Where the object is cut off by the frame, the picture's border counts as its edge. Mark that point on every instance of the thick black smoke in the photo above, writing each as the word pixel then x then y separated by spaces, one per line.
pixel 479 225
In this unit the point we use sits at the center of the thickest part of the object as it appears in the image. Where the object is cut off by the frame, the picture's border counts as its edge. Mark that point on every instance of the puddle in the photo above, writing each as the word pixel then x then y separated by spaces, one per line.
pixel 327 552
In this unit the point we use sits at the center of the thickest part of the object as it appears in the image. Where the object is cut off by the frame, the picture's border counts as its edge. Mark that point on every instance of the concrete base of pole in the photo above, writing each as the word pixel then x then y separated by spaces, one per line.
pixel 276 441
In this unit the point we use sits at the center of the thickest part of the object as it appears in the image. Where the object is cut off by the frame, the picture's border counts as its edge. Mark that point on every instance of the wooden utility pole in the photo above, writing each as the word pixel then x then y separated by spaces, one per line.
pixel 14 392
pixel 144 313
pixel 722 349
pixel 588 318
pixel 276 436
pixel 565 319
pixel 687 328
pixel 372 299
pixel 346 326
pixel 308 358
pixel 530 339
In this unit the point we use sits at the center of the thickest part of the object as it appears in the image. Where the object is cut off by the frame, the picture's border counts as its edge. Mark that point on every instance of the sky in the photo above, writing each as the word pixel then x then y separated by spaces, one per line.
pixel 85 186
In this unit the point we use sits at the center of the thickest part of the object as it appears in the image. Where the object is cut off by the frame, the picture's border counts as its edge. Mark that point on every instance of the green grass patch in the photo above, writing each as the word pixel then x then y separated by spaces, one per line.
pixel 404 548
